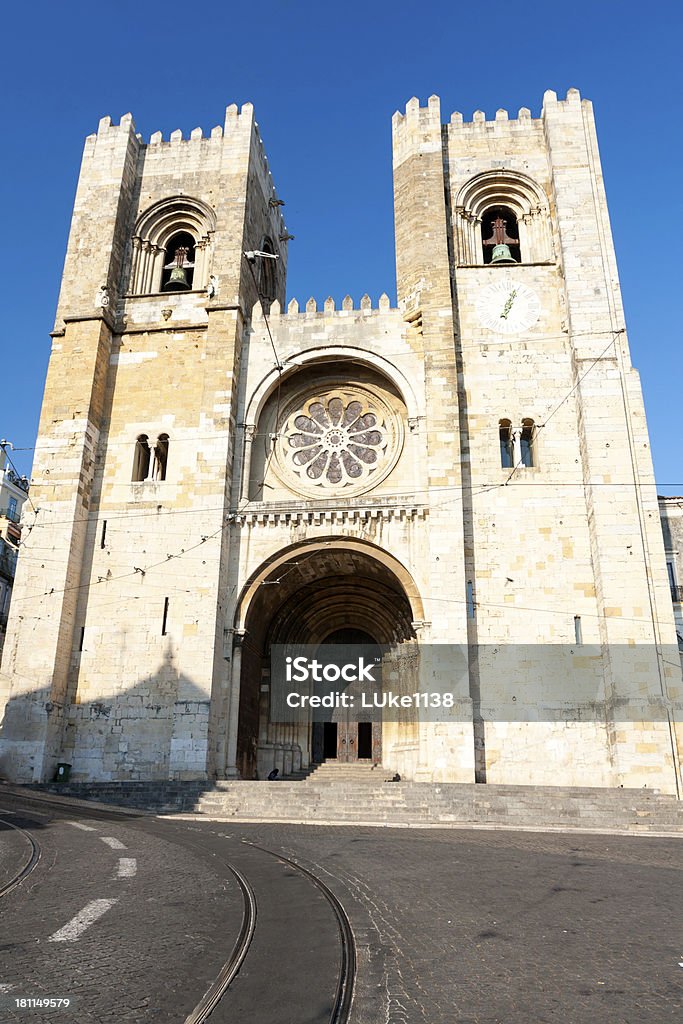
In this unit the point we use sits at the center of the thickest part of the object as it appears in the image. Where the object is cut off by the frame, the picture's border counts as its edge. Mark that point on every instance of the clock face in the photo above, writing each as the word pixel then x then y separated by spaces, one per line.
pixel 508 307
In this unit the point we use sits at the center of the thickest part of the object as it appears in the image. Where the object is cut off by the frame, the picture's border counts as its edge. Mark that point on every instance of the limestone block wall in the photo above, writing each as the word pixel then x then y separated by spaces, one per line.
pixel 129 648
pixel 353 343
pixel 574 535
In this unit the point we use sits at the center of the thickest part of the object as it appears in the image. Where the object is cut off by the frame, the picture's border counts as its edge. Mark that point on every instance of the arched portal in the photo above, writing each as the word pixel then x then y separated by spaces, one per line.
pixel 341 592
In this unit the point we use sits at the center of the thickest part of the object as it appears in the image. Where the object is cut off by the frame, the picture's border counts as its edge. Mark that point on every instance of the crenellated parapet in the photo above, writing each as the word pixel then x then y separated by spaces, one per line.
pixel 419 118
pixel 198 146
pixel 310 309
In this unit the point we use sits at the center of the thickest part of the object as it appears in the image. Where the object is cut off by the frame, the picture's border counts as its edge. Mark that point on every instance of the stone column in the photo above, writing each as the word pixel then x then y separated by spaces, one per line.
pixel 248 441
pixel 516 435
pixel 234 705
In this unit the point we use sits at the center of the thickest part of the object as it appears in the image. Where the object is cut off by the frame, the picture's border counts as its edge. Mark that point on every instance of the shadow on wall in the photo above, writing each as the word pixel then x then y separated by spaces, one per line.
pixel 157 729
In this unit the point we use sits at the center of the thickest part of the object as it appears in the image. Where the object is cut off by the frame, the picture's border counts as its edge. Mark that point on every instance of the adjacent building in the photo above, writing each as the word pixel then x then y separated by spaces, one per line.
pixel 13 491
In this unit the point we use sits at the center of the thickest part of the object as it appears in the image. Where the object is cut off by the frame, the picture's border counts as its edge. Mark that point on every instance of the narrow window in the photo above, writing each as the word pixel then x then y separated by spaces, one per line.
pixel 179 262
pixel 104 533
pixel 527 453
pixel 505 433
pixel 81 639
pixel 141 459
pixel 470 599
pixel 160 458
pixel 672 581
pixel 164 620
pixel 267 273
pixel 12 510
pixel 578 632
pixel 500 237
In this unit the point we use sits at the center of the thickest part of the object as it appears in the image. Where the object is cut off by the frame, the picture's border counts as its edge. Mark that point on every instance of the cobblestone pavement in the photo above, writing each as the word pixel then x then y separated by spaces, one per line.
pixel 473 927
pixel 172 921
pixel 483 927
pixel 15 849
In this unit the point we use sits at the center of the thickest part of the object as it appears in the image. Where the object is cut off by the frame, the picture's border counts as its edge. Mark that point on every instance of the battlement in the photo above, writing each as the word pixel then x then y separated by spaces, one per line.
pixel 237 121
pixel 234 119
pixel 423 116
pixel 329 309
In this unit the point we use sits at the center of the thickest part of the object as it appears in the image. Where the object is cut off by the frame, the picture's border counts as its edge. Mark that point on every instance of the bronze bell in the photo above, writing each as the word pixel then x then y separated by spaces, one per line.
pixel 502 254
pixel 178 282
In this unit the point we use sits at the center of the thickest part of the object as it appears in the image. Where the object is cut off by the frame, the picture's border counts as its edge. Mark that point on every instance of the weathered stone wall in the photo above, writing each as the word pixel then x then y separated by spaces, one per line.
pixel 134 639
pixel 88 675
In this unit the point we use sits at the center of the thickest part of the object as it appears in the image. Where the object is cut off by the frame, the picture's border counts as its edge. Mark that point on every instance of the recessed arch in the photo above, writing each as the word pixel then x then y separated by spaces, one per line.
pixel 155 228
pixel 295 601
pixel 332 353
pixel 269 569
pixel 503 188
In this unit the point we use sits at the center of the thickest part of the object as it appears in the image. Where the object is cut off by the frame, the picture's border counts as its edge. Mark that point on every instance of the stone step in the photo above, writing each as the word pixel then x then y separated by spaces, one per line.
pixel 329 797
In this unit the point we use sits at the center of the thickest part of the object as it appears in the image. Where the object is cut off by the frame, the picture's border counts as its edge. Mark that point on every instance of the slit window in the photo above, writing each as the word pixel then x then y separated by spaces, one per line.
pixel 578 632
pixel 267 273
pixel 164 619
pixel 103 537
pixel 470 599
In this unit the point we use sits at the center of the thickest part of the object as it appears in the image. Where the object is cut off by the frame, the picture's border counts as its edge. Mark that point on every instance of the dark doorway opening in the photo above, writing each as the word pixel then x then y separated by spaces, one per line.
pixel 330 740
pixel 365 740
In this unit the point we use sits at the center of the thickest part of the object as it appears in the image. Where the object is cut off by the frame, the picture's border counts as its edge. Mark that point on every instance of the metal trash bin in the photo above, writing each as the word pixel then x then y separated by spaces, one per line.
pixel 63 772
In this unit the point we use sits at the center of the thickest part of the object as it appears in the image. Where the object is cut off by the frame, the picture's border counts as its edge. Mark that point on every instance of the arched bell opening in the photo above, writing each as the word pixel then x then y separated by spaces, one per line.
pixel 178 272
pixel 500 236
pixel 331 595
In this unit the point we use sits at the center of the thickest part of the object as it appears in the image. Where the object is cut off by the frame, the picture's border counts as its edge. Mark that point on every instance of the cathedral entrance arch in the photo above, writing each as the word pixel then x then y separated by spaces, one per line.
pixel 337 591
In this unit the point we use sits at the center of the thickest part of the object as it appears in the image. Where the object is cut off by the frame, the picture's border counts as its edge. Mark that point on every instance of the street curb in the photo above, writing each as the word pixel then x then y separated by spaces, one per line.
pixel 464 826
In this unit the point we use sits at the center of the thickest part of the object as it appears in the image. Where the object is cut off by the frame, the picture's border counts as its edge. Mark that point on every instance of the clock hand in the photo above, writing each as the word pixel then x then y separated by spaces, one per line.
pixel 508 305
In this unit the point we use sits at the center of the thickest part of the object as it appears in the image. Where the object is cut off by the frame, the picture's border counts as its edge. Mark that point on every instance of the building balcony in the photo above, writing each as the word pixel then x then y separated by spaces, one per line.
pixel 13 516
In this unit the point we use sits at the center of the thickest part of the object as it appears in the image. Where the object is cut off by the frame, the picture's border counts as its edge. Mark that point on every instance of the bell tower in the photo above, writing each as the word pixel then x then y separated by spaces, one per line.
pixel 505 256
pixel 133 459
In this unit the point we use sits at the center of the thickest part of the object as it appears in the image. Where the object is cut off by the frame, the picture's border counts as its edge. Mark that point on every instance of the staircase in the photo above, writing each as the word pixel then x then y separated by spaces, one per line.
pixel 353 793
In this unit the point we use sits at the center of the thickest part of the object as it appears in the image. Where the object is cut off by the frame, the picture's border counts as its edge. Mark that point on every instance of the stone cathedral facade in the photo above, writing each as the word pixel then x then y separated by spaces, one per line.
pixel 465 478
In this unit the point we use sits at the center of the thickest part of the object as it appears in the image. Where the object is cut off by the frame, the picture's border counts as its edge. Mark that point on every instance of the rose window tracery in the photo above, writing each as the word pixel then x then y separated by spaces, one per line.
pixel 339 440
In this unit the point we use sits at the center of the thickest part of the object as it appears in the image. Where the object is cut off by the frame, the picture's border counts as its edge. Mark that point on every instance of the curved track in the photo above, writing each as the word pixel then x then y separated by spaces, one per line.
pixel 343 997
pixel 211 998
pixel 347 970
pixel 270 972
pixel 30 863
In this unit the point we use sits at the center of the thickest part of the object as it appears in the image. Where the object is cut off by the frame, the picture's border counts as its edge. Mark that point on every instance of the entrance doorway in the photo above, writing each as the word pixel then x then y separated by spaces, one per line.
pixel 364 741
pixel 346 593
pixel 353 740
pixel 329 739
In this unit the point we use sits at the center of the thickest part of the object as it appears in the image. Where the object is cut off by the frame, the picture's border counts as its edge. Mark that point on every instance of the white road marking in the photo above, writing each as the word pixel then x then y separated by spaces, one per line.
pixel 115 844
pixel 128 867
pixel 78 824
pixel 5 987
pixel 75 928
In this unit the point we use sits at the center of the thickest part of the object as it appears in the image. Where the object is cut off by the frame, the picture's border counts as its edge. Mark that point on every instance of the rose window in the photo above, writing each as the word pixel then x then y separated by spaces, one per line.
pixel 337 440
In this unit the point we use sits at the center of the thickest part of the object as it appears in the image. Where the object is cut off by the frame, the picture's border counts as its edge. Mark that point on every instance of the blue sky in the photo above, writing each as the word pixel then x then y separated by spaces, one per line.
pixel 325 80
